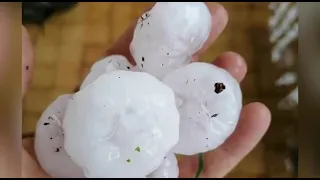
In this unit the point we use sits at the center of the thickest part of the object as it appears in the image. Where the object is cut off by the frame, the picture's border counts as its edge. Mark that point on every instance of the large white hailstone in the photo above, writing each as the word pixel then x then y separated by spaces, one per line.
pixel 49 139
pixel 209 101
pixel 106 65
pixel 166 37
pixel 121 125
pixel 168 169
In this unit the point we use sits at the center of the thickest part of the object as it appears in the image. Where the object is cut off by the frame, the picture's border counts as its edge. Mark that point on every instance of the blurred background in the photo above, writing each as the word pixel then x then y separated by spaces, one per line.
pixel 68 43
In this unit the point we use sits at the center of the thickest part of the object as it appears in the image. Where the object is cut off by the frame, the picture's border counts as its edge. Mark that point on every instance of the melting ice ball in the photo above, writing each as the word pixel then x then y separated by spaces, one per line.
pixel 121 125
pixel 168 168
pixel 166 37
pixel 106 65
pixel 49 140
pixel 210 104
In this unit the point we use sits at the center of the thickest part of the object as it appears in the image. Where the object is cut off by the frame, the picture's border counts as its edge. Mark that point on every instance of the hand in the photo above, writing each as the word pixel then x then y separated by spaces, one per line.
pixel 30 167
pixel 254 120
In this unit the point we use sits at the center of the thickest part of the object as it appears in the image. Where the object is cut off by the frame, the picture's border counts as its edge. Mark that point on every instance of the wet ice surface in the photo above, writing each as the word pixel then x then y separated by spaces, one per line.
pixel 49 141
pixel 122 122
pixel 106 65
pixel 210 101
pixel 167 169
pixel 166 37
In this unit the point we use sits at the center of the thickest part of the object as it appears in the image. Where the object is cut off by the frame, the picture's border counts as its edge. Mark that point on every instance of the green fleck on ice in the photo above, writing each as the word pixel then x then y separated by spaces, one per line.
pixel 137 149
pixel 128 160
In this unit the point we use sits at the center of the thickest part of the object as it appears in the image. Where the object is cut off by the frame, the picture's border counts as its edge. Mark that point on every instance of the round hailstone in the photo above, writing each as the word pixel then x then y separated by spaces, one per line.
pixel 168 169
pixel 166 37
pixel 106 65
pixel 49 139
pixel 121 125
pixel 210 102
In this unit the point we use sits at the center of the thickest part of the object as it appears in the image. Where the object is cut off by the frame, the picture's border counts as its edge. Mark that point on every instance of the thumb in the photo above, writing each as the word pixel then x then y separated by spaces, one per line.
pixel 27 60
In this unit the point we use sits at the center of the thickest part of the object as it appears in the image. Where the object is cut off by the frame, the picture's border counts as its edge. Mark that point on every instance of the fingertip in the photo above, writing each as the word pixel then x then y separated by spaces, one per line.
pixel 217 10
pixel 233 63
pixel 219 20
pixel 258 111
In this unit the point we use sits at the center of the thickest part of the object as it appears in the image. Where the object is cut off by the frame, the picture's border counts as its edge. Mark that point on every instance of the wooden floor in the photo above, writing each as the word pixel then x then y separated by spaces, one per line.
pixel 69 43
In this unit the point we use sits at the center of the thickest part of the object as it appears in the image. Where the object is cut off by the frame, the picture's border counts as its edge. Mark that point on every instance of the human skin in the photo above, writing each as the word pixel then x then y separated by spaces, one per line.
pixel 253 123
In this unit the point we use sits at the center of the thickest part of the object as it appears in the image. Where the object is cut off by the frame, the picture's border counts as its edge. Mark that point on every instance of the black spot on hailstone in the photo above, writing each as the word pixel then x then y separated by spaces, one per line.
pixel 143 59
pixel 46 124
pixel 219 87
pixel 128 67
pixel 57 150
pixel 142 65
pixel 214 115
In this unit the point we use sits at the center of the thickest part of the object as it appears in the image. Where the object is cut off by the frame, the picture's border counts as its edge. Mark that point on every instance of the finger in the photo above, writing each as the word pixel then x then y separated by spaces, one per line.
pixel 28 145
pixel 219 18
pixel 27 60
pixel 30 167
pixel 253 124
pixel 233 63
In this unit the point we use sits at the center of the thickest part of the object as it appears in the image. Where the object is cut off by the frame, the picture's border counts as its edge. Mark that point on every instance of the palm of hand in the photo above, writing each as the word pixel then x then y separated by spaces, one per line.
pixel 253 123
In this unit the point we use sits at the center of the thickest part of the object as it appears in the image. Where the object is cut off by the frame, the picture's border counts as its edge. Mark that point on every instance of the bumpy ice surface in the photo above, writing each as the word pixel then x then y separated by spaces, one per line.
pixel 210 101
pixel 106 65
pixel 121 125
pixel 167 169
pixel 49 142
pixel 166 37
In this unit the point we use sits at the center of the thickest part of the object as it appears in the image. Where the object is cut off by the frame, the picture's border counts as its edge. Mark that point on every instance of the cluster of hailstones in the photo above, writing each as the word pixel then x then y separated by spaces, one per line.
pixel 131 121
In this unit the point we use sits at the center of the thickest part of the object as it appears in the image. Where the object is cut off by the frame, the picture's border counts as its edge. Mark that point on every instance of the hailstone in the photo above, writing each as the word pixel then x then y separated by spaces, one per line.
pixel 166 37
pixel 210 102
pixel 49 142
pixel 167 169
pixel 106 65
pixel 121 125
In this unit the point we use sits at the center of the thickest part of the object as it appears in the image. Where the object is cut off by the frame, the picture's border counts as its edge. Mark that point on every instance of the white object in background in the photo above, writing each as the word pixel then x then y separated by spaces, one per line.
pixel 279 12
pixel 283 43
pixel 286 79
pixel 290 101
pixel 284 30
pixel 287 22
pixel 273 5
